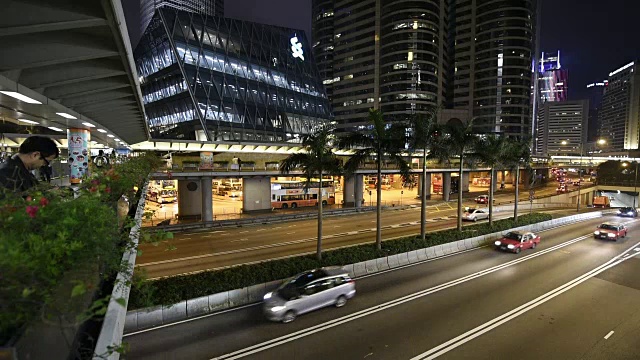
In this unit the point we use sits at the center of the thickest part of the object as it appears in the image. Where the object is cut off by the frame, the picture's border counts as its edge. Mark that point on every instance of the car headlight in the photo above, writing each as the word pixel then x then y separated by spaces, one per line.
pixel 277 308
pixel 596 233
pixel 510 246
pixel 619 212
pixel 611 235
pixel 267 295
pixel 630 213
pixel 498 243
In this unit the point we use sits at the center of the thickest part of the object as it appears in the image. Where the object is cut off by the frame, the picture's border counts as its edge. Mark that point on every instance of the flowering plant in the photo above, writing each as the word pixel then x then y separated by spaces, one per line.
pixel 50 234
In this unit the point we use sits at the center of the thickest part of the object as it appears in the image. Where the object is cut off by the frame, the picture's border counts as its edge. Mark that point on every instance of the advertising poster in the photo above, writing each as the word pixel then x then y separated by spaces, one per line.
pixel 78 153
pixel 206 160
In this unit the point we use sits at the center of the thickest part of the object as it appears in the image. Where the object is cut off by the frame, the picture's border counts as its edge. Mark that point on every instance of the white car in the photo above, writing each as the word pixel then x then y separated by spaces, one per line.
pixel 475 214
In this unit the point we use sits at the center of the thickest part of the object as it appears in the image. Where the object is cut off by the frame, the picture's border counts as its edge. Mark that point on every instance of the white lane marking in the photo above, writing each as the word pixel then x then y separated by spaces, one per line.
pixel 504 318
pixel 289 233
pixel 387 305
pixel 243 232
pixel 637 249
pixel 243 239
pixel 609 335
pixel 395 226
pixel 352 233
pixel 261 229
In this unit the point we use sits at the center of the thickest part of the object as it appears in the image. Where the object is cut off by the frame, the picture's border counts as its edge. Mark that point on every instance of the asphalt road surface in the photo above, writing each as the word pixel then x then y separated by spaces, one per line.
pixel 573 297
pixel 223 247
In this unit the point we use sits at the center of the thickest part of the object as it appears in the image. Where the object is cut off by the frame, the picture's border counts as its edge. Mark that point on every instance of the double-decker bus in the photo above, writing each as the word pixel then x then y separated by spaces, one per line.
pixel 292 194
pixel 163 191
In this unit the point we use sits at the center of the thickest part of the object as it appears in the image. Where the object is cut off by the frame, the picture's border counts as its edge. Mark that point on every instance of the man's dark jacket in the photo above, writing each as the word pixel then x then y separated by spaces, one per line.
pixel 15 177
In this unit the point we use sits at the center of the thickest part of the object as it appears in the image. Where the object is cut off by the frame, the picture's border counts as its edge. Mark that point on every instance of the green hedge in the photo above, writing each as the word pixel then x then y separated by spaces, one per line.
pixel 172 290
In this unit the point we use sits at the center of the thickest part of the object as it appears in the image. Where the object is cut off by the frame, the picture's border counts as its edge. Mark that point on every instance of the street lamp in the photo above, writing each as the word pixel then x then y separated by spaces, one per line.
pixel 635 183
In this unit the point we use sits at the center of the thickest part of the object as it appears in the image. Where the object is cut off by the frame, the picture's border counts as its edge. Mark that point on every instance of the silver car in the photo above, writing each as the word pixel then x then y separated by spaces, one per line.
pixel 309 291
pixel 472 214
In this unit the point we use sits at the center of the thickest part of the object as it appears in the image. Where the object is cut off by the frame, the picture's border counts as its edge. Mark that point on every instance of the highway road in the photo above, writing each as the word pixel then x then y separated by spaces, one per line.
pixel 573 297
pixel 218 248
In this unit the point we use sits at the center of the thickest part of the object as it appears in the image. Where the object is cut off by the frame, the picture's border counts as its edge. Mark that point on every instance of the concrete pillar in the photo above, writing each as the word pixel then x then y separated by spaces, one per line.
pixel 526 177
pixel 256 194
pixel 347 191
pixel 79 154
pixel 207 199
pixel 189 199
pixel 446 186
pixel 428 179
pixel 465 182
pixel 358 190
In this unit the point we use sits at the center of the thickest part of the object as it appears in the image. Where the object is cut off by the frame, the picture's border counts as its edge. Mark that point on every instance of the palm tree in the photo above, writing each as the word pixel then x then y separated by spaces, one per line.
pixel 491 150
pixel 423 130
pixel 456 141
pixel 518 153
pixel 317 159
pixel 382 142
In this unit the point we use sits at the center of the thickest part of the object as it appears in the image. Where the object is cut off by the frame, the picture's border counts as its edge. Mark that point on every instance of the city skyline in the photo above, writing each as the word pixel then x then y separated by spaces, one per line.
pixel 575 27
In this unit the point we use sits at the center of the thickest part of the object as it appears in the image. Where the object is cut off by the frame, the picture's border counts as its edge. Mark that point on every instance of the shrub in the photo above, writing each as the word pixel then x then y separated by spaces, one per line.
pixel 174 289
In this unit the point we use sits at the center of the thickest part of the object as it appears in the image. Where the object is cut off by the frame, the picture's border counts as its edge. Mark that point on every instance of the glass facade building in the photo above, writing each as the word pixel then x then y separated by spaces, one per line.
pixel 214 78
pixel 619 116
pixel 204 7
pixel 405 57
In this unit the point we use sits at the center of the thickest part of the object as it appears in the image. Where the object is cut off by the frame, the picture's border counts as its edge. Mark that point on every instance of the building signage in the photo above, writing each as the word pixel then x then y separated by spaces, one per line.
pixel 296 48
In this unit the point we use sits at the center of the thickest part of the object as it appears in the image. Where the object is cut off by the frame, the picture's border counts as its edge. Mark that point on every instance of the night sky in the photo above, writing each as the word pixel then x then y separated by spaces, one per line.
pixel 594 37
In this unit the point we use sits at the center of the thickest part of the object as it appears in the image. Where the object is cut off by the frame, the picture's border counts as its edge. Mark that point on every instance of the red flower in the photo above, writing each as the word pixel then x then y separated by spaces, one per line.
pixel 44 201
pixel 108 190
pixel 32 210
pixel 95 182
pixel 29 198
pixel 93 189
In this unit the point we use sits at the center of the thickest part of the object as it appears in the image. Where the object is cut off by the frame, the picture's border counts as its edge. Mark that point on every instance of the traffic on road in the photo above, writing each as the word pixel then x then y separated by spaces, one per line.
pixel 468 305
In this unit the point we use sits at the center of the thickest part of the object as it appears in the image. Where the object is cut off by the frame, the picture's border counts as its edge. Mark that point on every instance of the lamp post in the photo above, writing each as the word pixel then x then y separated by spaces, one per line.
pixel 565 142
pixel 635 182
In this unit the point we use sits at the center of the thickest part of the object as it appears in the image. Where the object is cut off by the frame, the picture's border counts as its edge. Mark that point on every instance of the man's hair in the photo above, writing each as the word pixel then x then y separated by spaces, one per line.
pixel 42 144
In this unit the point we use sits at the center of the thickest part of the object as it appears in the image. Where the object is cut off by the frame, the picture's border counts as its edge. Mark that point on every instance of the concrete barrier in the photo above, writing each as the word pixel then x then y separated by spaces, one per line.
pixel 238 297
pixel 174 312
pixel 382 264
pixel 422 254
pixel 218 301
pixel 393 261
pixel 403 259
pixel 412 256
pixel 198 306
pixel 150 317
pixel 116 318
pixel 359 269
pixel 159 315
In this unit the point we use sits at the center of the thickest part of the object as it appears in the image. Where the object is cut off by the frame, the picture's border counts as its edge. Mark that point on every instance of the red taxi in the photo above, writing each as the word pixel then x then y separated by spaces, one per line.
pixel 610 231
pixel 516 241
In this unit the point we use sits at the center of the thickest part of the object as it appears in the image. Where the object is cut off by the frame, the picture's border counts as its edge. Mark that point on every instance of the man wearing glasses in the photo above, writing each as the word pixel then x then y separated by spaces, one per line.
pixel 34 153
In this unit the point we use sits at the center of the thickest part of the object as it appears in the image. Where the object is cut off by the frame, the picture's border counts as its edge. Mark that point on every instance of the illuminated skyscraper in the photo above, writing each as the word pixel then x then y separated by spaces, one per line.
pixel 553 79
pixel 406 57
pixel 619 116
pixel 203 7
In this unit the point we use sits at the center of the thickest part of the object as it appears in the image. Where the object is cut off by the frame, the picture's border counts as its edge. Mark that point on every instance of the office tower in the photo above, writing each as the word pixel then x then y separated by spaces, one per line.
pixel 406 57
pixel 553 79
pixel 563 127
pixel 323 41
pixel 595 103
pixel 494 47
pixel 204 7
pixel 552 86
pixel 619 116
pixel 220 79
